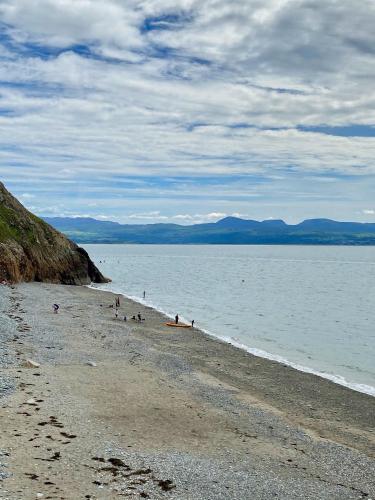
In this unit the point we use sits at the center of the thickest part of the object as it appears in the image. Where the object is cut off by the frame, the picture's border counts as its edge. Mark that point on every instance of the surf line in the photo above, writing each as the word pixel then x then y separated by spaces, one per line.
pixel 337 379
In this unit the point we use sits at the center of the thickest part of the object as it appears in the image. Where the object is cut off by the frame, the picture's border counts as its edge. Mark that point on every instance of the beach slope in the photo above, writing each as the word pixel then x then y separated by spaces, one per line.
pixel 139 410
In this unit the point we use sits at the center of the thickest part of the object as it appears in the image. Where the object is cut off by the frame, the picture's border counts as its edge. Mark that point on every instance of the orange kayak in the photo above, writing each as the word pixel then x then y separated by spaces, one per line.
pixel 178 325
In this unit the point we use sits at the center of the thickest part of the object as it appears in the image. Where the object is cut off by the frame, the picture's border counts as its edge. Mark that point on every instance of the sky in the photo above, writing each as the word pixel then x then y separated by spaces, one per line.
pixel 186 111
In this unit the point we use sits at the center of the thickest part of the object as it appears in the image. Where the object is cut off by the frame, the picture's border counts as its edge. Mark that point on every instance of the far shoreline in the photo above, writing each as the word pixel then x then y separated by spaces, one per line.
pixel 130 243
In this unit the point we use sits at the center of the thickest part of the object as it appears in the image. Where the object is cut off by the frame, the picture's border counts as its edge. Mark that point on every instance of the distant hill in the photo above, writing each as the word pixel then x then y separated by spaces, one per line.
pixel 230 230
pixel 32 250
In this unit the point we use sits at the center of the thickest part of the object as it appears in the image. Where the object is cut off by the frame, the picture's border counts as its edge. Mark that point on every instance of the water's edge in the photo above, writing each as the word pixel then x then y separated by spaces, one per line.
pixel 337 379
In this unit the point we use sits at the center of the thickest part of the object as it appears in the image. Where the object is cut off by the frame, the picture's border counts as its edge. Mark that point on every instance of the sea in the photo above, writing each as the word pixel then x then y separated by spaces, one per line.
pixel 312 307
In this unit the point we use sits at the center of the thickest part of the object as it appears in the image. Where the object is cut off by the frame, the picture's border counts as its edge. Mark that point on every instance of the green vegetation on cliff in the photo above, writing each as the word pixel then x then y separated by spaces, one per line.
pixel 32 250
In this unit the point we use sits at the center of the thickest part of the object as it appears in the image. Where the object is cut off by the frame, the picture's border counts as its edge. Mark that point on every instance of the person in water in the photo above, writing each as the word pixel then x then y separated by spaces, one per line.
pixel 144 294
pixel 176 319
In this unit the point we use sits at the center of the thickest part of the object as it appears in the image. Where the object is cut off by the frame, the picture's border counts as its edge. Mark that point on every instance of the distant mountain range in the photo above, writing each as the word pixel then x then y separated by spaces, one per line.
pixel 230 230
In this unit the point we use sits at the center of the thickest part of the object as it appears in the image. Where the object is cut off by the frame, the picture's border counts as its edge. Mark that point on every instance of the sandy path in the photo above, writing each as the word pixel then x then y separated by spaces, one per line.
pixel 167 414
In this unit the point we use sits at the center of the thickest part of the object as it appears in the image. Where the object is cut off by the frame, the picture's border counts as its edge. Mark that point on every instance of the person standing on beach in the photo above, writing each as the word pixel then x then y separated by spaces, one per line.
pixel 117 302
pixel 55 308
pixel 176 319
pixel 192 323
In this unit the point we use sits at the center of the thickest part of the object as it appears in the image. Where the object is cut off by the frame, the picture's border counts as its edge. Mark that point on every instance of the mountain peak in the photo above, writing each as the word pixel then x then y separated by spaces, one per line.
pixel 236 221
pixel 274 222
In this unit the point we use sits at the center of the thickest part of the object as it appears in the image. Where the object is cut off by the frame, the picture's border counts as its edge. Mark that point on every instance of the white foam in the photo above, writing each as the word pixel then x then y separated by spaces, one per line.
pixel 337 379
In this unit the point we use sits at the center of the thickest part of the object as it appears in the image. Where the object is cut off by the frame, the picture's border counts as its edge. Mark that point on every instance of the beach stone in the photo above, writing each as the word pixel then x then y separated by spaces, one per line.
pixel 29 363
pixel 31 401
pixel 91 363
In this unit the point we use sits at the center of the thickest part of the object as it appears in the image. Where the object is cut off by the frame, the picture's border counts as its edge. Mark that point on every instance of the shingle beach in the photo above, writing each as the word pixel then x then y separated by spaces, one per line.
pixel 114 409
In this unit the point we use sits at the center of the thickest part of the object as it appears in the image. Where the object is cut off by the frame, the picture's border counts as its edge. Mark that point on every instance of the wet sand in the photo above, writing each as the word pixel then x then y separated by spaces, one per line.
pixel 139 410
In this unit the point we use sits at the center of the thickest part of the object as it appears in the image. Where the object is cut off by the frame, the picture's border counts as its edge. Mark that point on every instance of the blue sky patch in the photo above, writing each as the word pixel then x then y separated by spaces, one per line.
pixel 165 22
pixel 344 131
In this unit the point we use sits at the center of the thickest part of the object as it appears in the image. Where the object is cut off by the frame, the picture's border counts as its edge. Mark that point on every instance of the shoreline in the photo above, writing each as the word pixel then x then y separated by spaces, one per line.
pixel 134 409
pixel 335 378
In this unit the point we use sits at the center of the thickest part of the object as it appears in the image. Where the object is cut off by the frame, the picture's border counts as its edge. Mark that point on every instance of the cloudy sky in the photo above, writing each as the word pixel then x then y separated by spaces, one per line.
pixel 187 110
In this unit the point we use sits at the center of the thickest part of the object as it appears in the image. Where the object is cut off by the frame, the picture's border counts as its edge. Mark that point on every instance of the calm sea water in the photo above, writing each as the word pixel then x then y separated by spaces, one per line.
pixel 313 307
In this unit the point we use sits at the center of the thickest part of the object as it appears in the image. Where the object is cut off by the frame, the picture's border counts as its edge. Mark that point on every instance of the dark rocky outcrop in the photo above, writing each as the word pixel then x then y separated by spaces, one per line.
pixel 31 250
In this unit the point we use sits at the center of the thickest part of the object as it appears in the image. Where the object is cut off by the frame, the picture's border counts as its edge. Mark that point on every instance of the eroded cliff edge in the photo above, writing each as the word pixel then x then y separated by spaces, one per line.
pixel 31 250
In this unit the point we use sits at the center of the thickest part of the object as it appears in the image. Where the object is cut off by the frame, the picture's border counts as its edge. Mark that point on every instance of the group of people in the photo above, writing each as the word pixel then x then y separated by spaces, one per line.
pixel 138 318
pixel 177 319
pixel 134 317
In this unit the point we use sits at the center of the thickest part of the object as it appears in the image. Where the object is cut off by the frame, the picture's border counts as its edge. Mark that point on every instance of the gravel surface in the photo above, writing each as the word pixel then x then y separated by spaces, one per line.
pixel 4 473
pixel 202 478
pixel 8 329
pixel 160 415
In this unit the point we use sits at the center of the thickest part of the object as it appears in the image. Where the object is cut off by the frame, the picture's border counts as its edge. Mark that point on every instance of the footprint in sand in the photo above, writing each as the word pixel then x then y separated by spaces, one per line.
pixel 33 477
pixel 69 436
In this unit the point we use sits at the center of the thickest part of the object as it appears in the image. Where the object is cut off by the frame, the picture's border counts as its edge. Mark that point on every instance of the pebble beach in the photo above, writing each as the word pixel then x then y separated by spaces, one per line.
pixel 114 409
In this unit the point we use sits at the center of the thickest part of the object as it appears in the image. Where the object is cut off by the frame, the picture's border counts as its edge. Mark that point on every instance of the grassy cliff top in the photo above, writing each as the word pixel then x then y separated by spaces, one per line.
pixel 31 249
pixel 17 223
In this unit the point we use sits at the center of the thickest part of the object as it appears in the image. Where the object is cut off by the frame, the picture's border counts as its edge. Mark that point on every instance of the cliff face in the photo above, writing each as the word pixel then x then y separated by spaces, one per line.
pixel 31 250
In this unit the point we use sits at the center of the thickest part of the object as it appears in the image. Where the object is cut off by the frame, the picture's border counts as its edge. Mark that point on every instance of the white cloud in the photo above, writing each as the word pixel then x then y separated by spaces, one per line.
pixel 174 101
pixel 27 196
pixel 240 215
pixel 183 217
pixel 68 22
pixel 147 216
pixel 215 215
pixel 177 218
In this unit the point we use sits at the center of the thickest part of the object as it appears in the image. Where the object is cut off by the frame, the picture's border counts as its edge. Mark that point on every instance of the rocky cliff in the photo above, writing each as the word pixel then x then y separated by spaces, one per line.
pixel 31 250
